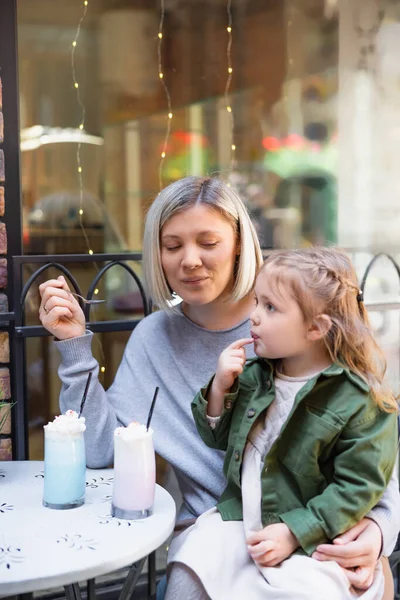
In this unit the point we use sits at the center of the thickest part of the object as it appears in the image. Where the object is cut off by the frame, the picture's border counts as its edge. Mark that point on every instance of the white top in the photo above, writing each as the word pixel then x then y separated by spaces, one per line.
pixel 261 438
pixel 42 548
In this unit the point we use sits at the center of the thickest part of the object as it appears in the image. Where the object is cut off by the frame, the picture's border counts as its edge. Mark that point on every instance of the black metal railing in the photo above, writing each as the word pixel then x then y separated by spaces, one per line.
pixel 20 332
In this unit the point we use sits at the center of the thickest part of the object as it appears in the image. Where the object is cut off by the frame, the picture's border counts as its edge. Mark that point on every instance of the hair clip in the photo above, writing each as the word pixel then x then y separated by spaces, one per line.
pixel 360 296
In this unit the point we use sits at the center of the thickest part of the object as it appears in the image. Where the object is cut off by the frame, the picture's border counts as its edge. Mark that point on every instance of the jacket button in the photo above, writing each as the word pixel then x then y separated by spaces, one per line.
pixel 251 412
pixel 236 456
pixel 269 384
pixel 228 404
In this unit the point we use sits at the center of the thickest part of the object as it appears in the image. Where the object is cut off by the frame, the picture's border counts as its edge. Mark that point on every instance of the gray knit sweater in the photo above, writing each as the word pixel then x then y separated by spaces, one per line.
pixel 178 356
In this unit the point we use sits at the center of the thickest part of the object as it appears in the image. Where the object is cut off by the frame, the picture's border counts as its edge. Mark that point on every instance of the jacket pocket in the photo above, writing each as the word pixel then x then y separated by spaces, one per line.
pixel 307 439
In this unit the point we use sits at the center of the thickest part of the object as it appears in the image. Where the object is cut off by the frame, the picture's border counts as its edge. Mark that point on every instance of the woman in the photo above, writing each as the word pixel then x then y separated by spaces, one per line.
pixel 199 243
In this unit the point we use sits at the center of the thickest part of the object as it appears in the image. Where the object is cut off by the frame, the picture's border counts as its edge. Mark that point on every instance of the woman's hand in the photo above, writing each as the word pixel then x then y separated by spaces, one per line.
pixel 59 311
pixel 356 551
pixel 270 546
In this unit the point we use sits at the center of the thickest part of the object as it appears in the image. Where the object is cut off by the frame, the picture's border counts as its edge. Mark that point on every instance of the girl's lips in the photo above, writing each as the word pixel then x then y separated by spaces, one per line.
pixel 254 336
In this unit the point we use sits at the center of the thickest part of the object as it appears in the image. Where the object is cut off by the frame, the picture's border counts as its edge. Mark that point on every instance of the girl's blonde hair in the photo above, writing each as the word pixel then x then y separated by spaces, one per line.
pixel 180 196
pixel 324 281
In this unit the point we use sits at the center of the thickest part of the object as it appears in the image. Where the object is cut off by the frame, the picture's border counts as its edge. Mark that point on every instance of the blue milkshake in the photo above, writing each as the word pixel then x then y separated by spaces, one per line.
pixel 64 462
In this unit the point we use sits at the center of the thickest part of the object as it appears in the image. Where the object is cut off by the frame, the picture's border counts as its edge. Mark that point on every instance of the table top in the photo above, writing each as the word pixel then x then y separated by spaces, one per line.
pixel 41 548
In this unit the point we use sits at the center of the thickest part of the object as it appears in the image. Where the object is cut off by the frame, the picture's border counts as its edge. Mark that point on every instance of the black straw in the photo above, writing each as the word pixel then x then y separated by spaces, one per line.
pixel 152 408
pixel 85 393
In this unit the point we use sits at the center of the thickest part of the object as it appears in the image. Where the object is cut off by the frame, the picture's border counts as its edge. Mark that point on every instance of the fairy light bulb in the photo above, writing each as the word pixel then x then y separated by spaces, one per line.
pixel 81 211
pixel 90 252
pixel 166 91
pixel 229 81
pixel 103 369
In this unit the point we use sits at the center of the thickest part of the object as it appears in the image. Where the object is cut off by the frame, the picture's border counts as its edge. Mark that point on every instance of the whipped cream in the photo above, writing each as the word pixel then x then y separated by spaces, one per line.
pixel 67 424
pixel 134 431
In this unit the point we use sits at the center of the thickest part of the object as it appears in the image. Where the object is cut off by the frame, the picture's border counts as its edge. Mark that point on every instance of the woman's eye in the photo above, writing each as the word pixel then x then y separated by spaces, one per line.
pixel 171 248
pixel 210 244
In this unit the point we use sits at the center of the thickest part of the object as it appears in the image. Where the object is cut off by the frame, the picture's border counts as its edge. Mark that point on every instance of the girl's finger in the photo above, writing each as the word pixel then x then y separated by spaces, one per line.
pixel 240 343
pixel 261 548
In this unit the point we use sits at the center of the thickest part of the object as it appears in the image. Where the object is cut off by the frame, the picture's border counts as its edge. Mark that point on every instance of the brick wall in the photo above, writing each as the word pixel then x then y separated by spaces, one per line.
pixel 5 434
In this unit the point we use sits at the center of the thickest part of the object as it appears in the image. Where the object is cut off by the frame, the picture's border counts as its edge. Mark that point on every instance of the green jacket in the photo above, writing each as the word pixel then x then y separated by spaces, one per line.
pixel 330 464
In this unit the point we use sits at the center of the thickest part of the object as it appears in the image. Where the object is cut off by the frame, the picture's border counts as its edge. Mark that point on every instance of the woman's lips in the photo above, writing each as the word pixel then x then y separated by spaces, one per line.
pixel 194 281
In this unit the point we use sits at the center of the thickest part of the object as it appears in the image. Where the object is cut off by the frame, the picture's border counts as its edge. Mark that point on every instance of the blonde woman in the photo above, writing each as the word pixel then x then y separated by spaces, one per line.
pixel 199 243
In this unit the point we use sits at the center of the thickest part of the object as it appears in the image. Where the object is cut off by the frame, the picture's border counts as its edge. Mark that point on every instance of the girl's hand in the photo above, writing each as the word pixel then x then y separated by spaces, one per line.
pixel 356 551
pixel 270 546
pixel 230 365
pixel 59 311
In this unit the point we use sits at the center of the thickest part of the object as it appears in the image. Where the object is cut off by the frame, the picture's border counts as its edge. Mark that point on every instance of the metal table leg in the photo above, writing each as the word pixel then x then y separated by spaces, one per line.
pixel 131 580
pixel 72 592
pixel 90 589
pixel 151 575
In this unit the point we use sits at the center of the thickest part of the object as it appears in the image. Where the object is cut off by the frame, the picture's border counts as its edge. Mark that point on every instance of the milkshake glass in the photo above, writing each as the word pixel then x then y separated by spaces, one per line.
pixel 134 472
pixel 64 462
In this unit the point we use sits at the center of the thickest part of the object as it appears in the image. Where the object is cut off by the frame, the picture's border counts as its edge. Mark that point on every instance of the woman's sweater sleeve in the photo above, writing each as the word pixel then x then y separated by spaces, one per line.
pixel 103 411
pixel 386 513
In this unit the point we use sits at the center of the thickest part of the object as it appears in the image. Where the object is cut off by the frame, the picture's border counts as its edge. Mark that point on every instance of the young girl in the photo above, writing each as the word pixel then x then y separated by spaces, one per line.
pixel 310 434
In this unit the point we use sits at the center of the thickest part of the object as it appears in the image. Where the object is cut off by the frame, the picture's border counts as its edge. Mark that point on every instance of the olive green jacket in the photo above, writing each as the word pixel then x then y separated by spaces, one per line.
pixel 330 463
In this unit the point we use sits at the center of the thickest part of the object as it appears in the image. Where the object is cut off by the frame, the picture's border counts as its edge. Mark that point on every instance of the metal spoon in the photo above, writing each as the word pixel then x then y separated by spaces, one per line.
pixel 84 299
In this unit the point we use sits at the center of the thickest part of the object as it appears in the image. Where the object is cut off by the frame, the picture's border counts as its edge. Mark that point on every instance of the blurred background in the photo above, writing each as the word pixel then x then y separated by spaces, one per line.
pixel 295 103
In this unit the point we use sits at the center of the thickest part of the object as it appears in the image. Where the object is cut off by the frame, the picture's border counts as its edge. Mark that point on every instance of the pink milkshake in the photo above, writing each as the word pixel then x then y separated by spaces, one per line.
pixel 134 472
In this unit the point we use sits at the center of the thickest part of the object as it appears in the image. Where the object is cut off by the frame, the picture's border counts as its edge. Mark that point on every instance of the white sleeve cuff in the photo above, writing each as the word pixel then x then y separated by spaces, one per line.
pixel 212 421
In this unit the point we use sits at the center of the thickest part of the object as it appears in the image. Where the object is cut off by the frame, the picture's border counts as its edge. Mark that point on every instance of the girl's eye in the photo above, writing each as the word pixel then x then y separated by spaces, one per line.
pixel 270 307
pixel 255 300
pixel 172 248
pixel 209 245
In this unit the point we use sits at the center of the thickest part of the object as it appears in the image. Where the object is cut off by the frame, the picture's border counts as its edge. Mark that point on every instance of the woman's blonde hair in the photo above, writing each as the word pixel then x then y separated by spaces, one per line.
pixel 178 197
pixel 324 281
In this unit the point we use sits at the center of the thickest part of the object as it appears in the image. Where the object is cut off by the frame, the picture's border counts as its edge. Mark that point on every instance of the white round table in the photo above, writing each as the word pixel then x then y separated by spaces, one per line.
pixel 41 548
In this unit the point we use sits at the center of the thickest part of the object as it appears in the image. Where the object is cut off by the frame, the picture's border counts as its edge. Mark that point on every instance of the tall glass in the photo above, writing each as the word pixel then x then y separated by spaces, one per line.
pixel 64 467
pixel 134 472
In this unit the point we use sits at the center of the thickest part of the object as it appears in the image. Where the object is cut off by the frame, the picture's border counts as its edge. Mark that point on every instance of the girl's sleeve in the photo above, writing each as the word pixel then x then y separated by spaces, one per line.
pixel 214 437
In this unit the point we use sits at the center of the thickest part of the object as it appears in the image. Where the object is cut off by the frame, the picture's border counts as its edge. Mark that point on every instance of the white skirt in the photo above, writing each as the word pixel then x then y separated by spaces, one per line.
pixel 216 551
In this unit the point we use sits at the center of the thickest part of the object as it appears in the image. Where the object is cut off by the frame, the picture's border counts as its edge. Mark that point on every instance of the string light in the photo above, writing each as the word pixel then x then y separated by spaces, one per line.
pixel 96 291
pixel 82 122
pixel 103 369
pixel 167 94
pixel 229 80
pixel 75 82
